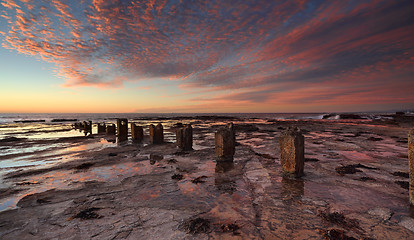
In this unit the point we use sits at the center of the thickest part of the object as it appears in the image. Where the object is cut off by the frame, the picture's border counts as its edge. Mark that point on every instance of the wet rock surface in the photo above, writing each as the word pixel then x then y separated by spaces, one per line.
pixel 146 191
pixel 382 213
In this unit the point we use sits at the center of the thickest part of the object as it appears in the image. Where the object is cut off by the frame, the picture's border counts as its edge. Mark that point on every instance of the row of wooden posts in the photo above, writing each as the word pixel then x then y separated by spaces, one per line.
pixel 291 141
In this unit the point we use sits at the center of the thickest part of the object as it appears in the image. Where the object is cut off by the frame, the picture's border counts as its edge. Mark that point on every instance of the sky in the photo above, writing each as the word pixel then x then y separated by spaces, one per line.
pixel 228 56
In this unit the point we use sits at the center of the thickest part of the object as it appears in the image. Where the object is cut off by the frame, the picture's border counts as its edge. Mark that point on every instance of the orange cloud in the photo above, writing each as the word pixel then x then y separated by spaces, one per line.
pixel 258 51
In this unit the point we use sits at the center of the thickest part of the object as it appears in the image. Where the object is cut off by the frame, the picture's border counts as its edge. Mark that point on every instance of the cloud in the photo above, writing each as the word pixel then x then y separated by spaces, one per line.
pixel 251 47
pixel 9 4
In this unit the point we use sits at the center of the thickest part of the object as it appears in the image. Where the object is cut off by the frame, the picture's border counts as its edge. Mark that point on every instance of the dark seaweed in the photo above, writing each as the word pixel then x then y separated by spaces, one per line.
pixel 403 184
pixel 88 213
pixel 375 139
pixel 364 179
pixel 177 176
pixel 199 179
pixel 401 174
pixel 311 160
pixel 232 227
pixel 336 234
pixel 197 225
pixel 351 169
pixel 339 219
pixel 84 166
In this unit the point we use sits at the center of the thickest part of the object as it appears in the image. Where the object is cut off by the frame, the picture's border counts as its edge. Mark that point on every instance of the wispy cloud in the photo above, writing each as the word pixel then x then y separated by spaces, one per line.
pixel 263 51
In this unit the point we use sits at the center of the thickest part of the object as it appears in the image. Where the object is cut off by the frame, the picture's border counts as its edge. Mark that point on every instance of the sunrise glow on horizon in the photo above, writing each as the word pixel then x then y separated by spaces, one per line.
pixel 170 56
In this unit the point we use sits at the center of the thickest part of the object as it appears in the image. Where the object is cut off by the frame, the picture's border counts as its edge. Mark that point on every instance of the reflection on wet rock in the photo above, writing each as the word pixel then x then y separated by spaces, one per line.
pixel 225 184
pixel 224 179
pixel 222 167
pixel 292 188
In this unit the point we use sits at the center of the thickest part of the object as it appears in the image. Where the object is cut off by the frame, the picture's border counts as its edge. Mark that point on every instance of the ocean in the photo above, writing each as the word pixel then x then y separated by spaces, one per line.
pixel 48 117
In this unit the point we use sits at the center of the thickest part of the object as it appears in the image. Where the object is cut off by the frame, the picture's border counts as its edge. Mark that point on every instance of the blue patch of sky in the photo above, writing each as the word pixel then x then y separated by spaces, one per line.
pixel 351 4
pixel 303 15
pixel 18 69
pixel 171 3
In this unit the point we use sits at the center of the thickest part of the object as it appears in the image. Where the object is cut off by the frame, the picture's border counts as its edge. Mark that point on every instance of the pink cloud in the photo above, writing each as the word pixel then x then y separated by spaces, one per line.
pixel 260 51
pixel 9 4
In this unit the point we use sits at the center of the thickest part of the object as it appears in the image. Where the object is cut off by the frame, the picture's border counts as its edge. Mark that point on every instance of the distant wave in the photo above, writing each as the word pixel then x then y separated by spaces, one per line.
pixel 6 118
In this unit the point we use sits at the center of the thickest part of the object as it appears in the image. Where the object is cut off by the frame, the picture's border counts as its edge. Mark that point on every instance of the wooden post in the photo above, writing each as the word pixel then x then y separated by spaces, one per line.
pixel 87 126
pixel 110 129
pixel 122 129
pixel 292 152
pixel 411 164
pixel 225 143
pixel 156 134
pixel 184 136
pixel 101 128
pixel 137 132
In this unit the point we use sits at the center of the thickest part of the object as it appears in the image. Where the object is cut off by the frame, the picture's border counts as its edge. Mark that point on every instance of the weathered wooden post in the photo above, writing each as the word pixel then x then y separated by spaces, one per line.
pixel 87 126
pixel 179 136
pixel 184 136
pixel 159 132
pixel 151 133
pixel 81 125
pixel 292 152
pixel 156 134
pixel 411 164
pixel 137 132
pixel 101 128
pixel 122 129
pixel 230 126
pixel 225 143
pixel 110 129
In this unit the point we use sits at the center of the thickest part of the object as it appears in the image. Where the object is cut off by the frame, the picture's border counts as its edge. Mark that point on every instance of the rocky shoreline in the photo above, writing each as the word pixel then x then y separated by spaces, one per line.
pixel 354 187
